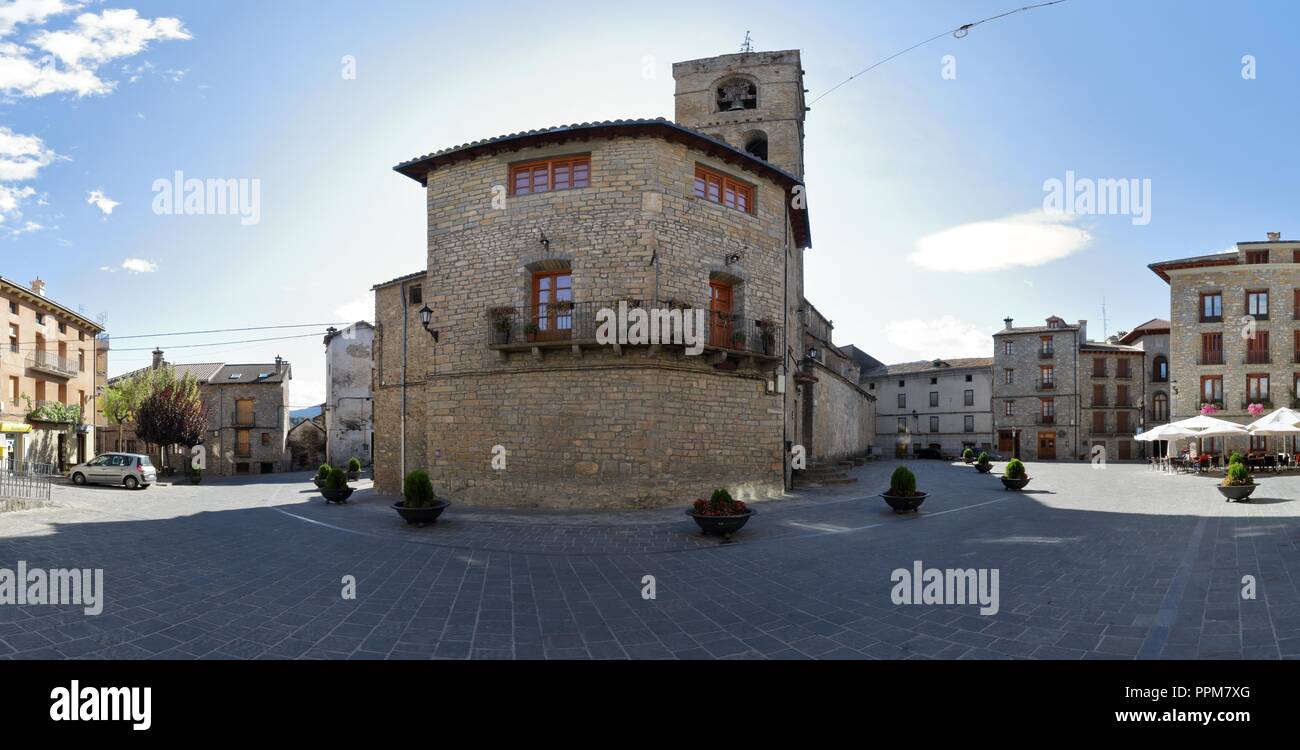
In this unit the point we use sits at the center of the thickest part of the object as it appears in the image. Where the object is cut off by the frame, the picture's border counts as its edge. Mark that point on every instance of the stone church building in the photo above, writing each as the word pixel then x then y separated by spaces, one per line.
pixel 490 369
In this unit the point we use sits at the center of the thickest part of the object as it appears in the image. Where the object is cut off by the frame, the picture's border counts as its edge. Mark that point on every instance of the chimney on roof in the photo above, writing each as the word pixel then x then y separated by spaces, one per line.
pixel 1274 236
pixel 1083 330
pixel 38 286
pixel 1007 320
pixel 279 364
pixel 157 358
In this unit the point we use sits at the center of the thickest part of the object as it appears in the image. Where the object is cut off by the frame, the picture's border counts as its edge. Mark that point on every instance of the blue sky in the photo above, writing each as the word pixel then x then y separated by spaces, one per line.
pixel 899 159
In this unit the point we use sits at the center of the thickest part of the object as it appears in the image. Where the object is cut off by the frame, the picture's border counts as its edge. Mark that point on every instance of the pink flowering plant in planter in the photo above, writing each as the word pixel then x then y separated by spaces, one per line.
pixel 1255 409
pixel 1208 409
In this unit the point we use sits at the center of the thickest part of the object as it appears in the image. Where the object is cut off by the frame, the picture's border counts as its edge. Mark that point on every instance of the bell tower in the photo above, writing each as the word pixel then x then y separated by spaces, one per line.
pixel 752 100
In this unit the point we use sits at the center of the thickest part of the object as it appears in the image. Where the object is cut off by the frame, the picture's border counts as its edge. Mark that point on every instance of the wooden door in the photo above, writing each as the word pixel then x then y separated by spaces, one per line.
pixel 553 304
pixel 1047 446
pixel 720 321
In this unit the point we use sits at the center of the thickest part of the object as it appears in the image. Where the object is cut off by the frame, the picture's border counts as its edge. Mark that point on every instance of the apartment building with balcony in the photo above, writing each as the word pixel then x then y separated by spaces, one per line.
pixel 247 416
pixel 50 367
pixel 1234 328
pixel 1152 337
pixel 1112 386
pixel 944 405
pixel 1036 389
pixel 490 349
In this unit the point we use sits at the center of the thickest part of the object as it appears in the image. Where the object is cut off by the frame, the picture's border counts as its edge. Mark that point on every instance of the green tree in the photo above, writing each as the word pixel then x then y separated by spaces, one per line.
pixel 172 412
pixel 122 400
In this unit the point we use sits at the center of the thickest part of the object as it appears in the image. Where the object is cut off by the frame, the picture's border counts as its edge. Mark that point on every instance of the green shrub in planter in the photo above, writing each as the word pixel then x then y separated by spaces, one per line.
pixel 323 471
pixel 1015 469
pixel 354 464
pixel 1238 474
pixel 902 483
pixel 983 459
pixel 1236 458
pixel 336 480
pixel 967 455
pixel 418 490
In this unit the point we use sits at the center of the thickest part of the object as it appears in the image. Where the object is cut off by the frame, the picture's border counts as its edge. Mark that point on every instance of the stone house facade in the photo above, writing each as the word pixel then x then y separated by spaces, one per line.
pixel 1234 338
pixel 247 414
pixel 840 412
pixel 349 407
pixel 51 366
pixel 1112 383
pixel 306 444
pixel 941 404
pixel 1036 389
pixel 1152 337
pixel 511 396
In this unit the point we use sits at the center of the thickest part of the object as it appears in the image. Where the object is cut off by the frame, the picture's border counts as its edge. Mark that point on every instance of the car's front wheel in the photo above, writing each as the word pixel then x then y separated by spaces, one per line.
pixel 79 478
pixel 131 483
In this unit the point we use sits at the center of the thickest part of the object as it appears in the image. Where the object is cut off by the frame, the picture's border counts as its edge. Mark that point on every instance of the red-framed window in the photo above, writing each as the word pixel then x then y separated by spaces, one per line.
pixel 719 188
pixel 550 174
pixel 1257 386
pixel 1211 388
pixel 1254 257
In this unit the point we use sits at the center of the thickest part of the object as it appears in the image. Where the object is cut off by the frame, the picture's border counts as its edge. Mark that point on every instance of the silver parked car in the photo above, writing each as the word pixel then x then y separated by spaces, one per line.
pixel 131 470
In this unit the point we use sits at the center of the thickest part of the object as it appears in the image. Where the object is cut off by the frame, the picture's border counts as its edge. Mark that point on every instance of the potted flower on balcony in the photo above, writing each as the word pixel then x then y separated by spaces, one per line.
pixel 354 469
pixel 1238 484
pixel 501 318
pixel 531 330
pixel 321 474
pixel 738 340
pixel 767 335
pixel 720 514
pixel 902 495
pixel 968 455
pixel 1255 409
pixel 336 489
pixel 1209 409
pixel 1014 476
pixel 982 464
pixel 419 505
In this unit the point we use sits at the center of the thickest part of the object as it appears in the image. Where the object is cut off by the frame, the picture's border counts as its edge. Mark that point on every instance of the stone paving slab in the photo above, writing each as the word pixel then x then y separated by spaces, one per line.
pixel 1092 564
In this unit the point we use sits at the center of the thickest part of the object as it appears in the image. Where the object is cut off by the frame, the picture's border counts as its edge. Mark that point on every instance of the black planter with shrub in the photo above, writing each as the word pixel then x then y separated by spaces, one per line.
pixel 196 475
pixel 321 473
pixel 968 456
pixel 720 515
pixel 1014 476
pixel 354 469
pixel 1238 485
pixel 902 495
pixel 336 489
pixel 982 464
pixel 419 506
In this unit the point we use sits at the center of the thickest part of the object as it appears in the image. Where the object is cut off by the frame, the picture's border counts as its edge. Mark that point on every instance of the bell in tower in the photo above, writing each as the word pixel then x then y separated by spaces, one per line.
pixel 752 100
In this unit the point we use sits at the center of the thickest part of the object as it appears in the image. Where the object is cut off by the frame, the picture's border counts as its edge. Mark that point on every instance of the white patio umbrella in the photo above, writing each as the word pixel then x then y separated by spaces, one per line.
pixel 1278 423
pixel 1204 426
pixel 1165 432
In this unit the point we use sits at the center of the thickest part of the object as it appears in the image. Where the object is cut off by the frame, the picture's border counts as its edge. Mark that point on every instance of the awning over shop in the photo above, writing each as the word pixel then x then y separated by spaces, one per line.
pixel 14 427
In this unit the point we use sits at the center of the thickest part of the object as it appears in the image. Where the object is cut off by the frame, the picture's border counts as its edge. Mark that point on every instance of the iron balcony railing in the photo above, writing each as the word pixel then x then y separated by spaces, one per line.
pixel 1046 419
pixel 1266 402
pixel 1124 375
pixel 1046 353
pixel 1257 357
pixel 53 364
pixel 578 322
pixel 1211 357
pixel 1047 385
pixel 239 420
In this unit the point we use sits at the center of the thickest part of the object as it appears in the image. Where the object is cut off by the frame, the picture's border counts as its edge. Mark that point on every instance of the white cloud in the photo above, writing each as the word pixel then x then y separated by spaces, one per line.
pixel 102 202
pixel 361 308
pixel 306 391
pixel 68 60
pixel 11 197
pixel 942 337
pixel 22 156
pixel 18 12
pixel 137 265
pixel 1028 239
